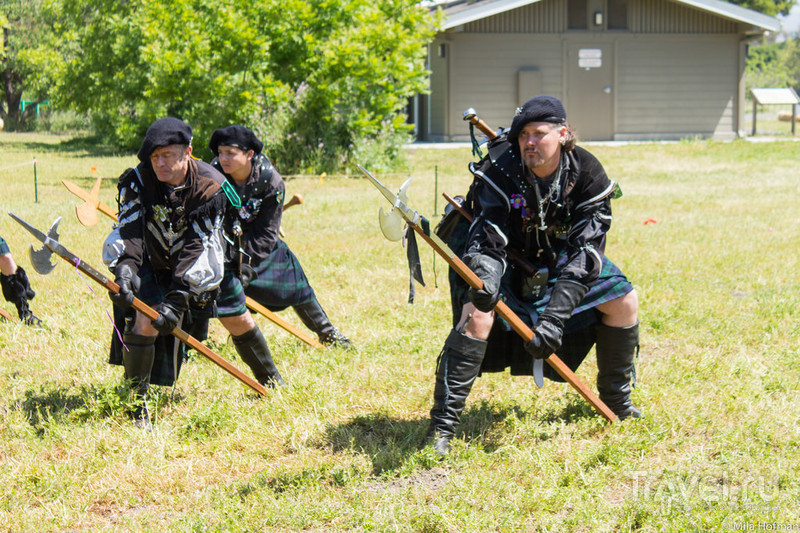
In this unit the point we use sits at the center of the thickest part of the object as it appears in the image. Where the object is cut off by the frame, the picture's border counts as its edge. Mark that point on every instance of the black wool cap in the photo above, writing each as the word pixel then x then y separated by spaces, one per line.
pixel 235 135
pixel 164 132
pixel 541 108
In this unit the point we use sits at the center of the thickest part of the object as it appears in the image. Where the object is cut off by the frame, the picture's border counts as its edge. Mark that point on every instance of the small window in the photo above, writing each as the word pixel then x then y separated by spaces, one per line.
pixel 617 17
pixel 576 14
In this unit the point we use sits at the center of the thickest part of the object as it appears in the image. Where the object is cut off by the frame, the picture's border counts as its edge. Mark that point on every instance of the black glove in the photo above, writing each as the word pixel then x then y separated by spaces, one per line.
pixel 546 339
pixel 248 274
pixel 170 311
pixel 490 271
pixel 128 283
pixel 547 333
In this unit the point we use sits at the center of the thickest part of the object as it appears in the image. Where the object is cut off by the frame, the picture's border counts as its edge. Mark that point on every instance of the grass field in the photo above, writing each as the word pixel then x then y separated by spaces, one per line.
pixel 708 233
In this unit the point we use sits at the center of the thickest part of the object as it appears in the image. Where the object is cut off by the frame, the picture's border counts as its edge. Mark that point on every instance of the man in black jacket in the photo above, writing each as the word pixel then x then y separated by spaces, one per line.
pixel 550 201
pixel 166 249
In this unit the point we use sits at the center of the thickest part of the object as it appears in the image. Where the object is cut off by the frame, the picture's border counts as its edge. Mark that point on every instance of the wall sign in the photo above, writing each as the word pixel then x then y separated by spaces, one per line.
pixel 590 58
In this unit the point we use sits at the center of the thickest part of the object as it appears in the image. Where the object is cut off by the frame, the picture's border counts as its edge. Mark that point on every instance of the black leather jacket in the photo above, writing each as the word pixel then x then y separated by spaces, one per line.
pixel 176 229
pixel 577 212
pixel 258 220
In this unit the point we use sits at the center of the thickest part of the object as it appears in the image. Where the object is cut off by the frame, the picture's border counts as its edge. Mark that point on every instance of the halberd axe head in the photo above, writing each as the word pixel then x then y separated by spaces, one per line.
pixel 41 258
pixel 392 222
pixel 87 211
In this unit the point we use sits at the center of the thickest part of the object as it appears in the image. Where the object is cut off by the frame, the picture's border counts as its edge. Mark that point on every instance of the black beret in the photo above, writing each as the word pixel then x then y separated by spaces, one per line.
pixel 164 132
pixel 237 136
pixel 538 109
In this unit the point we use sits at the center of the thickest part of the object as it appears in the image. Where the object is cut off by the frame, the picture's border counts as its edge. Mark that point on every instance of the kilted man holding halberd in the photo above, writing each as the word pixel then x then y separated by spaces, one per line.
pixel 549 201
pixel 266 269
pixel 167 251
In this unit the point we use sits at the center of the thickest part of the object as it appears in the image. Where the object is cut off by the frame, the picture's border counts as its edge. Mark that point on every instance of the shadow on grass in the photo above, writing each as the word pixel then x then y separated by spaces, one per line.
pixel 49 405
pixel 490 423
pixel 78 145
pixel 388 441
pixel 54 404
pixel 391 443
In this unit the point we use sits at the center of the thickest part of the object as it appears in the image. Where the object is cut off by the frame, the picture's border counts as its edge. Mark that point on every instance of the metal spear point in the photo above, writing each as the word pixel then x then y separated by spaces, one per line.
pixel 421 225
pixel 52 245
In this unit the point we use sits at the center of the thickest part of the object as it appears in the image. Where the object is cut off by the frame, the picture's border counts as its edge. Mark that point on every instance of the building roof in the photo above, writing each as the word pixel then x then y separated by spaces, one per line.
pixel 458 12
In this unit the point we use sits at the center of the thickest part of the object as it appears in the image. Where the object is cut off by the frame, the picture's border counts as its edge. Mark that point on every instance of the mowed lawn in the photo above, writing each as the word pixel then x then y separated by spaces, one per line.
pixel 708 232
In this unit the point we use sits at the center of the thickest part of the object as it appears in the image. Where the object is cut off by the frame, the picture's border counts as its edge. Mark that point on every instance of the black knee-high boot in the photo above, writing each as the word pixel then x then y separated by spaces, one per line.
pixel 253 349
pixel 315 319
pixel 137 360
pixel 17 290
pixel 456 370
pixel 616 373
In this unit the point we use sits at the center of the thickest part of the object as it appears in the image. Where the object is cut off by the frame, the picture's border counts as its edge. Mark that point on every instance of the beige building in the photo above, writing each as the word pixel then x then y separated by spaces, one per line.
pixel 625 69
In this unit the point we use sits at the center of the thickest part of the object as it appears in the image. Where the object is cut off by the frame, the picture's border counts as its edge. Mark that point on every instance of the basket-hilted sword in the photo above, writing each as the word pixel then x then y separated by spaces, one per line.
pixel 52 246
pixel 422 227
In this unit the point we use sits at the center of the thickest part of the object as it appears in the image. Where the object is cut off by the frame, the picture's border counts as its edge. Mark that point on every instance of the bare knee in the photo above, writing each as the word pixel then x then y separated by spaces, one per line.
pixel 7 265
pixel 621 312
pixel 475 323
pixel 143 326
pixel 238 325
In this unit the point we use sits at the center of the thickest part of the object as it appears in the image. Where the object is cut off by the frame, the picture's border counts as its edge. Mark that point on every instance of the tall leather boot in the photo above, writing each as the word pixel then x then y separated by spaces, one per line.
pixel 138 362
pixel 17 290
pixel 616 373
pixel 315 319
pixel 253 349
pixel 456 370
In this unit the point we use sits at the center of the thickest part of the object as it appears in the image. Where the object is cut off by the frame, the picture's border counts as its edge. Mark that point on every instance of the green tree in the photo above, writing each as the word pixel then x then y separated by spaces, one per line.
pixel 323 81
pixel 774 65
pixel 768 7
pixel 28 59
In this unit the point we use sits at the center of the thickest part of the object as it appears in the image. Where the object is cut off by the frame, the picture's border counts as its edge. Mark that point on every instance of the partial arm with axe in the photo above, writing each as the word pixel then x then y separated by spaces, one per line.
pixel 53 246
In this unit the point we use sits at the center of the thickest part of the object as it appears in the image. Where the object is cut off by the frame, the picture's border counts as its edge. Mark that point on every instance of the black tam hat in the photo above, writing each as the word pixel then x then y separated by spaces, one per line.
pixel 538 109
pixel 238 136
pixel 164 132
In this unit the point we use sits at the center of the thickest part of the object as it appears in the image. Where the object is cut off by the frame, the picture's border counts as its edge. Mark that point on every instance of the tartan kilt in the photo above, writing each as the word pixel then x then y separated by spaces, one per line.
pixel 231 299
pixel 170 353
pixel 280 281
pixel 505 348
pixel 4 249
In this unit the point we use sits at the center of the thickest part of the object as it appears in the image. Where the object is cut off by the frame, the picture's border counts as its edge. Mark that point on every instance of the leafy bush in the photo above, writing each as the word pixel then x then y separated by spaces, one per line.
pixel 774 65
pixel 62 122
pixel 318 79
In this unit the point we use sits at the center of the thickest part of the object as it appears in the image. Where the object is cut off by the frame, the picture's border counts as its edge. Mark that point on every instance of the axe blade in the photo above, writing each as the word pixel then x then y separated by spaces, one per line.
pixel 87 214
pixel 41 258
pixel 391 224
